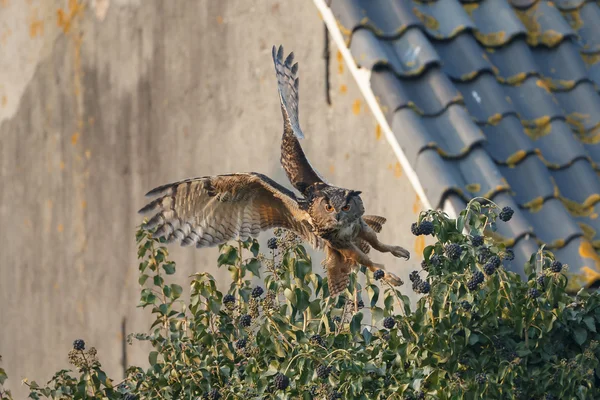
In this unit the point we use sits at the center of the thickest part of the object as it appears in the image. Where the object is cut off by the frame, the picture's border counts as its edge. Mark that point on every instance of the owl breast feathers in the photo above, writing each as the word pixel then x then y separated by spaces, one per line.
pixel 210 210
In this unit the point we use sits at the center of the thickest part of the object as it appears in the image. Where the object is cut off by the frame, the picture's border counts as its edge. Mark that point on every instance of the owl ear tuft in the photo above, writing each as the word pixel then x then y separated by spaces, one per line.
pixel 355 192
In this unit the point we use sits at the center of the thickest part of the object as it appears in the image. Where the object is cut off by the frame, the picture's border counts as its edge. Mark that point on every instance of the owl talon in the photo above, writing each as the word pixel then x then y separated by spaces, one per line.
pixel 393 279
pixel 398 251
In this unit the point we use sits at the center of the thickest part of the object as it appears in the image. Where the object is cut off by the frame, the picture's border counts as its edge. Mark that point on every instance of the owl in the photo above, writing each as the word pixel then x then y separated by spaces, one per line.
pixel 210 210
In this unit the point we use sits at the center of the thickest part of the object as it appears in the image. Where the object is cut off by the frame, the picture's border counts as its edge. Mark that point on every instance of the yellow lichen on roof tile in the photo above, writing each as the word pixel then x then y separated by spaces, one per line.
pixel 557 84
pixel 590 137
pixel 470 7
pixel 473 187
pixel 577 120
pixel 427 20
pixel 580 210
pixel 535 205
pixel 469 75
pixel 537 128
pixel 587 275
pixel 494 119
pixel 516 158
pixel 590 59
pixel 588 232
pixel 514 80
pixel 491 39
pixel 574 19
pixel 542 84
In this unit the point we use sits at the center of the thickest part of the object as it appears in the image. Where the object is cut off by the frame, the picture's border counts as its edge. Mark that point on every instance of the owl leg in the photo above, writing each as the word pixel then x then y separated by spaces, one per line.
pixel 356 254
pixel 369 235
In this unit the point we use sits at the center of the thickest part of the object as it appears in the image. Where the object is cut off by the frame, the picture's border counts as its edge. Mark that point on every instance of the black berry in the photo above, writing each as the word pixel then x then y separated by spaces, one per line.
pixel 426 227
pixel 313 390
pixel 424 265
pixel 506 214
pixel 472 284
pixel 489 269
pixel 466 305
pixel 424 287
pixel 533 293
pixel 257 292
pixel 420 395
pixel 414 276
pixel 241 344
pixel 337 320
pixel 361 304
pixel 415 229
pixel 556 266
pixel 228 298
pixel 281 381
pixel 509 255
pixel 436 260
pixel 453 250
pixel 481 378
pixel 334 395
pixel 389 322
pixel 478 277
pixel 415 286
pixel 477 241
pixel 495 260
pixel 213 395
pixel 317 339
pixel 272 243
pixel 378 274
pixel 79 344
pixel 245 320
pixel 540 280
pixel 323 371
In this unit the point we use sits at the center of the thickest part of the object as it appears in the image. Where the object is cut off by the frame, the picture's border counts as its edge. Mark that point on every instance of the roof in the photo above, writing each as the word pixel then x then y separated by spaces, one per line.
pixel 496 99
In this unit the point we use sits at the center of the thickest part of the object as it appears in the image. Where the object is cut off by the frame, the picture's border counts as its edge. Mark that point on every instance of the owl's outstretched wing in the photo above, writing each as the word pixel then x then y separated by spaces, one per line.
pixel 211 210
pixel 299 171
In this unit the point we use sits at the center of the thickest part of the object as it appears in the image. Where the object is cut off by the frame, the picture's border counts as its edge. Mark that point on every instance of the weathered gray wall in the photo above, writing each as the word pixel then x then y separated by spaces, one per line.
pixel 96 109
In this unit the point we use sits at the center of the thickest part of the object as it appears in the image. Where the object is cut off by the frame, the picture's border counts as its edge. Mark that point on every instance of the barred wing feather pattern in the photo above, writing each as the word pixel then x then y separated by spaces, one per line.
pixel 297 167
pixel 211 210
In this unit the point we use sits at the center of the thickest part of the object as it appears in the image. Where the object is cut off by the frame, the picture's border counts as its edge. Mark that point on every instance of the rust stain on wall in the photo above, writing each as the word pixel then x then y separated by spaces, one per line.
pixel 60 228
pixel 36 25
pixel 356 107
pixel 378 132
pixel 219 19
pixel 419 245
pixel 65 18
pixel 397 170
pixel 417 205
pixel 4 101
pixel 331 169
pixel 74 138
pixel 340 60
pixel 343 89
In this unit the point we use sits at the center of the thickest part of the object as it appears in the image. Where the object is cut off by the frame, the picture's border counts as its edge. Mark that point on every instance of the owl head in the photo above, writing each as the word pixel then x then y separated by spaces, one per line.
pixel 336 206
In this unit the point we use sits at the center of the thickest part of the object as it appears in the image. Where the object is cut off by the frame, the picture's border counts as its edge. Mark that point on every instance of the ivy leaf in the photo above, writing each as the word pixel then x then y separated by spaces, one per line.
pixel 254 266
pixel 580 335
pixel 355 324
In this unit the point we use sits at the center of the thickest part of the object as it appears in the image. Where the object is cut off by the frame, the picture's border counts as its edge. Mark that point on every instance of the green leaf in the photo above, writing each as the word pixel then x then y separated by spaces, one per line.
pixel 3 376
pixel 169 268
pixel 590 322
pixel 373 292
pixel 142 279
pixel 176 291
pixel 355 323
pixel 302 299
pixel 580 335
pixel 152 357
pixel 367 335
pixel 254 267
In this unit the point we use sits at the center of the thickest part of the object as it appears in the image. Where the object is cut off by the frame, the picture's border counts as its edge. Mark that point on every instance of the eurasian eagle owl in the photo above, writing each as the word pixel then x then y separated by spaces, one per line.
pixel 210 210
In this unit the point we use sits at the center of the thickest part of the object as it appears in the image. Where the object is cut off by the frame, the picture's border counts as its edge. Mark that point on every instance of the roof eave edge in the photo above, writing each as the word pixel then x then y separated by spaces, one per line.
pixel 362 77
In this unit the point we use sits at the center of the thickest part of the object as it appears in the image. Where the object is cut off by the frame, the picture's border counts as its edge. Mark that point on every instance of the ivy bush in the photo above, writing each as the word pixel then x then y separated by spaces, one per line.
pixel 477 331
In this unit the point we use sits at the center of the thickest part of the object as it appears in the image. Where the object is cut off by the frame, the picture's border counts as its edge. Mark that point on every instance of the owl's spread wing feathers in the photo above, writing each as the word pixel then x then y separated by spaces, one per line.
pixel 374 221
pixel 211 210
pixel 297 167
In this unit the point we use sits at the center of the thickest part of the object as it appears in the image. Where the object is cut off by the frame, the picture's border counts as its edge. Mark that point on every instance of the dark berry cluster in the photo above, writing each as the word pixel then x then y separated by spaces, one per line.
pixel 281 381
pixel 556 266
pixel 323 372
pixel 509 255
pixel 540 280
pixel 424 228
pixel 506 214
pixel 257 292
pixel 489 269
pixel 483 254
pixel 361 304
pixel 477 241
pixel 389 323
pixel 228 298
pixel 334 395
pixel 453 251
pixel 317 339
pixel 245 320
pixel 272 243
pixel 414 276
pixel 481 378
pixel 424 287
pixel 436 260
pixel 533 293
pixel 475 280
pixel 213 395
pixel 425 266
pixel 378 274
pixel 465 305
pixel 420 395
pixel 241 344
pixel 79 344
pixel 495 261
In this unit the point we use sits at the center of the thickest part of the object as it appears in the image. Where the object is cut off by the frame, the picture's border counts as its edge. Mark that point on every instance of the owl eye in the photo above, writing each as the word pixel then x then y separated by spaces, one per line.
pixel 328 207
pixel 346 207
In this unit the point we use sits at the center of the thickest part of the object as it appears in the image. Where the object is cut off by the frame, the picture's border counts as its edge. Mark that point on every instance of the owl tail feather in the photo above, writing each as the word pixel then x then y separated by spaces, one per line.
pixel 338 271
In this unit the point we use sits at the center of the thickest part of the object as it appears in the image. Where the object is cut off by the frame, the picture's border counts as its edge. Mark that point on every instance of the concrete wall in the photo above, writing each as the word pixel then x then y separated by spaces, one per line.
pixel 104 100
